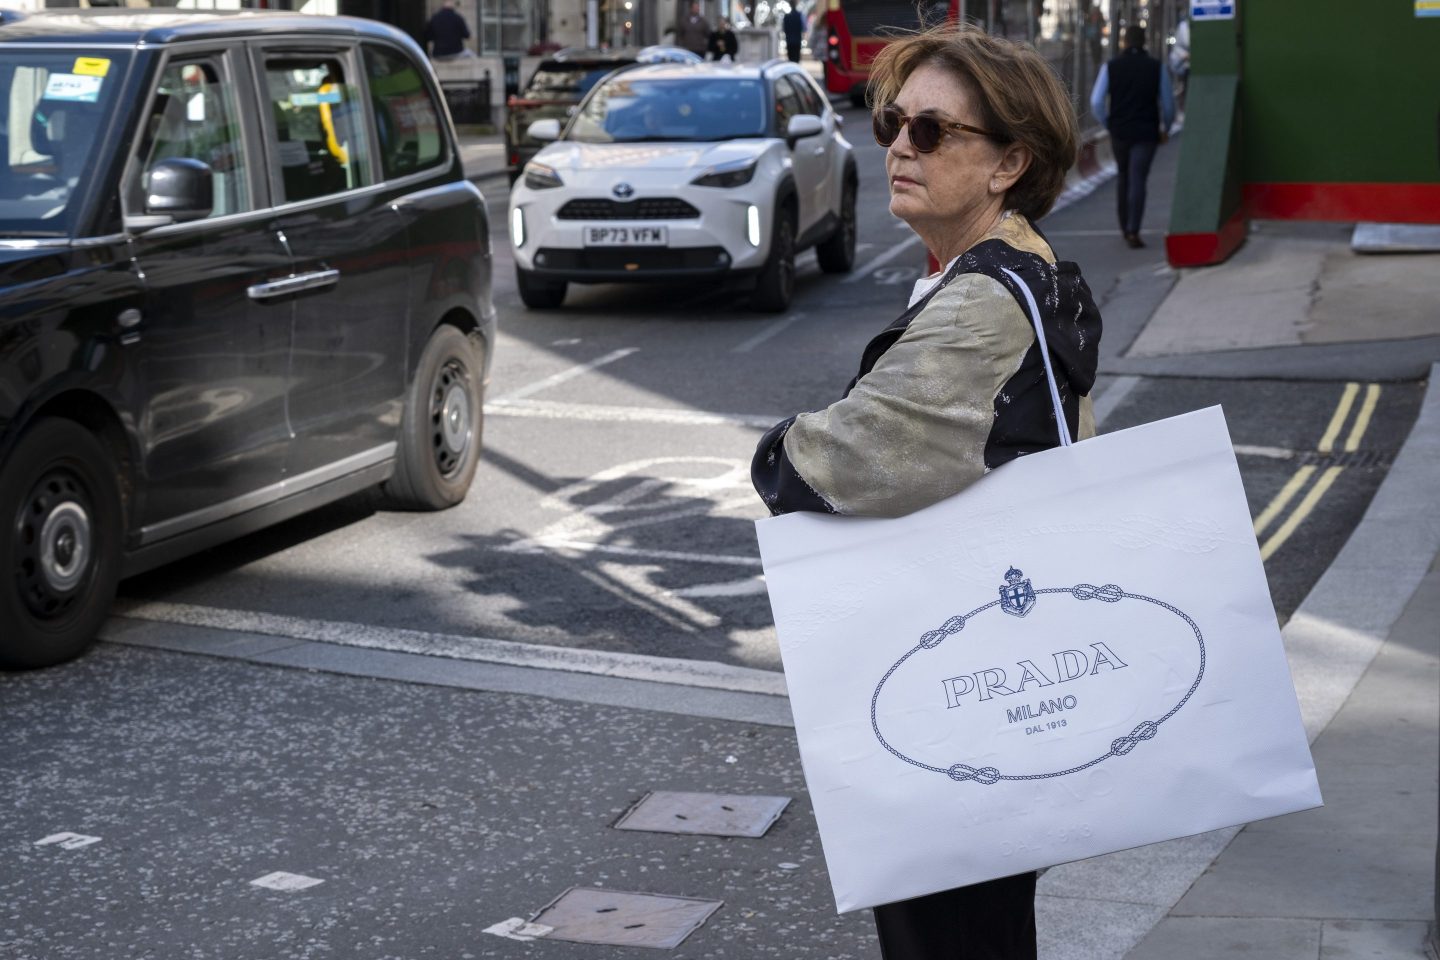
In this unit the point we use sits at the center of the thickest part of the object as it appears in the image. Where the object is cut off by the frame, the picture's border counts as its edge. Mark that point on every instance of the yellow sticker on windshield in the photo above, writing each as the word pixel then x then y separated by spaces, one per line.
pixel 91 66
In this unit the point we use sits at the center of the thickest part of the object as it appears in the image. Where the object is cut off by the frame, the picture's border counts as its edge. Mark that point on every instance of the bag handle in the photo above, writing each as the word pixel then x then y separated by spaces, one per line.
pixel 1034 318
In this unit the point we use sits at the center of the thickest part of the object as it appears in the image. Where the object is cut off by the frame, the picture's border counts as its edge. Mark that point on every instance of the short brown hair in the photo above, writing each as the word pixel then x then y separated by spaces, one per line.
pixel 1021 100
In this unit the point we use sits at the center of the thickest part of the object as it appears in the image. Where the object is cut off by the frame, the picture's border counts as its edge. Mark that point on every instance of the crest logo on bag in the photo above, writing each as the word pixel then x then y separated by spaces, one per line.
pixel 1016 596
pixel 1018 678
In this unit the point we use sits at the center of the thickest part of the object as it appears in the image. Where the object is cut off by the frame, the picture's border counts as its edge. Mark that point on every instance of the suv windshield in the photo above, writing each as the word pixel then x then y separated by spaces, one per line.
pixel 567 81
pixel 635 109
pixel 56 104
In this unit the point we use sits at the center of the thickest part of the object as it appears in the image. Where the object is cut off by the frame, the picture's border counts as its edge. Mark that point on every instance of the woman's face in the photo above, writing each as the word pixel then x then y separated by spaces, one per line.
pixel 956 182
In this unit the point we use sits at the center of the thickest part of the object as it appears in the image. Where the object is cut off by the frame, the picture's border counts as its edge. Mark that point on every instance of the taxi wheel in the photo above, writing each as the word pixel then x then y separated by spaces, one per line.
pixel 776 286
pixel 837 253
pixel 539 294
pixel 60 531
pixel 440 431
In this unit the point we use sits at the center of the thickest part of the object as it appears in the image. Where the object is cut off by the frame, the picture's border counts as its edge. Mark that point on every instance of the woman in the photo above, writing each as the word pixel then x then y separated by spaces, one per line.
pixel 980 135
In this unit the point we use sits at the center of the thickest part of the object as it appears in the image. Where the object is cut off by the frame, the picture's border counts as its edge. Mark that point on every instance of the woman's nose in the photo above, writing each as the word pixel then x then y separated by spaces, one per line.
pixel 901 145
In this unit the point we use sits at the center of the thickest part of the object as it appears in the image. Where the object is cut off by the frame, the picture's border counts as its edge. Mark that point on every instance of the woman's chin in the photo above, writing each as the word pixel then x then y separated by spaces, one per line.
pixel 906 207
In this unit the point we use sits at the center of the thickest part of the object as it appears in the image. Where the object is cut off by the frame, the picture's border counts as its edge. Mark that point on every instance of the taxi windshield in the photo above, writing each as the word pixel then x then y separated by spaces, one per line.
pixel 56 105
pixel 631 109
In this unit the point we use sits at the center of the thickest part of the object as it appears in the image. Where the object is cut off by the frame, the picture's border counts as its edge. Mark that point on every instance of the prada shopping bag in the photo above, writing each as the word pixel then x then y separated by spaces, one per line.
pixel 1075 655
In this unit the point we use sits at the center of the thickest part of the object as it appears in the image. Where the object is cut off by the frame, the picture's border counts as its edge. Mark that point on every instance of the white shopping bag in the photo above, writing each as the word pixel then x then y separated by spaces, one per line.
pixel 1075 655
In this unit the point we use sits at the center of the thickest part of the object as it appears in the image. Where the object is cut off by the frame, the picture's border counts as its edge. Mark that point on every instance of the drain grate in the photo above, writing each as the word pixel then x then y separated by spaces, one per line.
pixel 1346 458
pixel 712 814
pixel 617 918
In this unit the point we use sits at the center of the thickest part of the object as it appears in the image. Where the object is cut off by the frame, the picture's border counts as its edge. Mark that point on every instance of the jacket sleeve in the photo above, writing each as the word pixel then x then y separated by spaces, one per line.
pixel 913 430
pixel 775 478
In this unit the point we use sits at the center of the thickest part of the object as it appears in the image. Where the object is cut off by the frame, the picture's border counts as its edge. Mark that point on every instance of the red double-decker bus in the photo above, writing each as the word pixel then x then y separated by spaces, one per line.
pixel 856 30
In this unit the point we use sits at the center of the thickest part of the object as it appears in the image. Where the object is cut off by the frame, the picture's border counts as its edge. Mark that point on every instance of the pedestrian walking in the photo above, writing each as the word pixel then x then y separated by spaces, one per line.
pixel 693 31
pixel 793 24
pixel 446 33
pixel 979 135
pixel 723 43
pixel 1133 98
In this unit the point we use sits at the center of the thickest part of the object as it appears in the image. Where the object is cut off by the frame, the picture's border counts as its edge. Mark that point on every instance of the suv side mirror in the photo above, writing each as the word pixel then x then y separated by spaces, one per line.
pixel 802 125
pixel 180 188
pixel 544 130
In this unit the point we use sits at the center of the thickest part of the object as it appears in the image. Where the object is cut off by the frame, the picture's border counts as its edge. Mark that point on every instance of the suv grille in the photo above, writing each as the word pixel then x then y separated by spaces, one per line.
pixel 646 208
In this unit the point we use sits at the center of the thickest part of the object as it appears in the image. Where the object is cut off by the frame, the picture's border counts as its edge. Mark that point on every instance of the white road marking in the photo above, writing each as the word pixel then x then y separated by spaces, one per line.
pixel 288 882
pixel 884 258
pixel 894 276
pixel 639 553
pixel 67 841
pixel 766 334
pixel 1273 453
pixel 560 410
pixel 631 666
pixel 731 588
pixel 1114 394
pixel 570 374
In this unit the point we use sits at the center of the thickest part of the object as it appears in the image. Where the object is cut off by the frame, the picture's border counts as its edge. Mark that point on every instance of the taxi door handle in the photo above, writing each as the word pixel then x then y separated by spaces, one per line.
pixel 296 283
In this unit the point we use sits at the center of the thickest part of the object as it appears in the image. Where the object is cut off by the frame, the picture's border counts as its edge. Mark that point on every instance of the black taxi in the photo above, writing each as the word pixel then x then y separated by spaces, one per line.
pixel 241 275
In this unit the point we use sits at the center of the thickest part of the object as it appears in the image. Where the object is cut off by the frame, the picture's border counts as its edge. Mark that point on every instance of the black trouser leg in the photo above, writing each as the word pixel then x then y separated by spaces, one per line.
pixel 1121 149
pixel 994 920
pixel 1141 155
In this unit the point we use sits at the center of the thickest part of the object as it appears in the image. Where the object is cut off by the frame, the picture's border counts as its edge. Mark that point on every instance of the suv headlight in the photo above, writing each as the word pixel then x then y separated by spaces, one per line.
pixel 540 177
pixel 732 174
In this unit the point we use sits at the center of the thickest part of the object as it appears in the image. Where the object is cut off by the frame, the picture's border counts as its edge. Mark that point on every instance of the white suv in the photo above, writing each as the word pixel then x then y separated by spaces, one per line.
pixel 687 170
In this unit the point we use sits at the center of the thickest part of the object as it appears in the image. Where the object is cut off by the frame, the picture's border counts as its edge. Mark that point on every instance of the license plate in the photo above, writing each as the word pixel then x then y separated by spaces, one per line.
pixel 626 236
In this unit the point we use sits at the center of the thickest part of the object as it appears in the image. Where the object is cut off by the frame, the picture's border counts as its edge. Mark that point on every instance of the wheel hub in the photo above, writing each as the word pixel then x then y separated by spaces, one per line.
pixel 65 546
pixel 451 418
pixel 55 544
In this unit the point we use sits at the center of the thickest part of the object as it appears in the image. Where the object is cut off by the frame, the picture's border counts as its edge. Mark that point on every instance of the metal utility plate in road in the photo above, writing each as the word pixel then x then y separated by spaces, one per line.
pixel 712 814
pixel 595 915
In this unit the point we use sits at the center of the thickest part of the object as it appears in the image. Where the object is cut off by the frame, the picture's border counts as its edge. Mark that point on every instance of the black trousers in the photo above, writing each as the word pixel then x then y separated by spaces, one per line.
pixel 1132 164
pixel 994 920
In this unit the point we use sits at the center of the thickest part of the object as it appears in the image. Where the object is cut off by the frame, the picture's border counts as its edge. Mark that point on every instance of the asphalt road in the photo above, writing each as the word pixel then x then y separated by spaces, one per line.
pixel 613 508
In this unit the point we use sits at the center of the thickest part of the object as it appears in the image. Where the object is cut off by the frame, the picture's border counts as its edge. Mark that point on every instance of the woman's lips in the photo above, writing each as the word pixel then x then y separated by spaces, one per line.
pixel 901 183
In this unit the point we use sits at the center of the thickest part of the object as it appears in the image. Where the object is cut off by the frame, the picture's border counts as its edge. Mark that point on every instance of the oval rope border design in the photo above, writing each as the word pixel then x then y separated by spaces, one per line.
pixel 960 772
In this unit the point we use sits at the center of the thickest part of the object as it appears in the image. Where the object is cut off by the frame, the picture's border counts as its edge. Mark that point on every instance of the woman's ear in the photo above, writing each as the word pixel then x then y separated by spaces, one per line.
pixel 1014 161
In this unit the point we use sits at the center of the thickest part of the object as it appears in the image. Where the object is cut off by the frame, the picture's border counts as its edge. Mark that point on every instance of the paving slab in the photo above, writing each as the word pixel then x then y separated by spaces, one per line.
pixel 1192 938
pixel 1371 940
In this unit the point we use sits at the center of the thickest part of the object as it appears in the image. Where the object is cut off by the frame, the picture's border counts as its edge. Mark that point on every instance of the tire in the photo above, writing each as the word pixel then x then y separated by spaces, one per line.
pixel 61 523
pixel 539 294
pixel 836 253
pixel 775 286
pixel 441 426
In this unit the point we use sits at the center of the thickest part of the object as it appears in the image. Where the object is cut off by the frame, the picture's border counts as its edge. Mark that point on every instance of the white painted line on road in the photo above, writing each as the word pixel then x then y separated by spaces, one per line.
pixel 1113 396
pixel 597 413
pixel 585 546
pixel 766 334
pixel 630 666
pixel 287 882
pixel 1273 453
pixel 67 841
pixel 558 378
pixel 731 588
pixel 882 259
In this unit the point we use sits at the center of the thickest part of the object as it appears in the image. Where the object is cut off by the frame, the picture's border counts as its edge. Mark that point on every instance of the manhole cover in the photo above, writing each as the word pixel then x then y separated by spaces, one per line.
pixel 713 814
pixel 596 915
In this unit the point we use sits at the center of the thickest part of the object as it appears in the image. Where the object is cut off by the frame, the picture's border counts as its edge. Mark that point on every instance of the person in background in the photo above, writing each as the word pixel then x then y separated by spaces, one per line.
pixel 1133 99
pixel 693 31
pixel 978 135
pixel 446 33
pixel 723 43
pixel 794 26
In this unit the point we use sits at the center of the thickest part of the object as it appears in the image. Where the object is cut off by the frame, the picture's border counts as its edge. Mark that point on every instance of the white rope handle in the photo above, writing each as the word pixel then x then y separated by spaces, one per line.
pixel 1065 440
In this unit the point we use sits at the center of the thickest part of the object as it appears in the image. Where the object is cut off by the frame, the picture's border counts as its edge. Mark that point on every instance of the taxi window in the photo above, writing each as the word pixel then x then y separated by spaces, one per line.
pixel 194 116
pixel 321 147
pixel 406 118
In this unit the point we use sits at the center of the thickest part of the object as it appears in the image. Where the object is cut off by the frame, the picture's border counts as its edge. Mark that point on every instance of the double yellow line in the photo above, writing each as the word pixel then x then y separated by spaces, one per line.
pixel 1303 476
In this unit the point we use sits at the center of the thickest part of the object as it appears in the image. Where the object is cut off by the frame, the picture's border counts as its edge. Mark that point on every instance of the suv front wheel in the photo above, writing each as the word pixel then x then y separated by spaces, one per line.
pixel 776 285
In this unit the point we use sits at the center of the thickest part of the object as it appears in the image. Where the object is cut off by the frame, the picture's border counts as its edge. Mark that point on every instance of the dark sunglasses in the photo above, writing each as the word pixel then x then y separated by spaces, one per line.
pixel 926 130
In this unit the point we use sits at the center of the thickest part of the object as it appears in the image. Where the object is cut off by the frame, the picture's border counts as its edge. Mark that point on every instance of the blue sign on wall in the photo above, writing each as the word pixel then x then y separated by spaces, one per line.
pixel 1212 10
